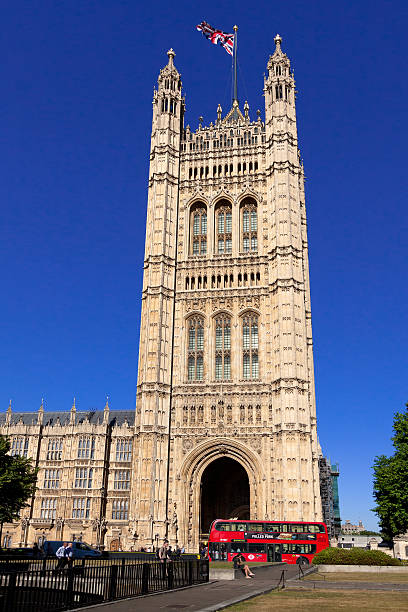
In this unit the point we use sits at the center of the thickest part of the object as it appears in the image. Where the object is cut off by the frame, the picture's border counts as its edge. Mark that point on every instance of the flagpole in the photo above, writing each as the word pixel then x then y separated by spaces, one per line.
pixel 235 98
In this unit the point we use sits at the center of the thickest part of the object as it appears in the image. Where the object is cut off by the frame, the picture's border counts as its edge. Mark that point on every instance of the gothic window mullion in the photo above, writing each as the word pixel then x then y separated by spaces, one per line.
pixel 199 231
pixel 224 230
pixel 249 228
pixel 195 349
pixel 250 361
pixel 222 348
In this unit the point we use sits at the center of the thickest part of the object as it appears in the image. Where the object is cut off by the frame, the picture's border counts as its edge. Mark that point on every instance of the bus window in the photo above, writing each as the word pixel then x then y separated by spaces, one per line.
pixel 240 527
pixel 303 536
pixel 274 528
pixel 218 552
pixel 223 526
pixel 316 528
pixel 298 528
pixel 230 526
pixel 255 527
pixel 256 548
pixel 237 547
pixel 298 548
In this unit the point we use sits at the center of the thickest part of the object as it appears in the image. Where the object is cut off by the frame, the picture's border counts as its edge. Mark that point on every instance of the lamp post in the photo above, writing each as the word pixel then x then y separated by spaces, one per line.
pixel 174 522
pixel 151 519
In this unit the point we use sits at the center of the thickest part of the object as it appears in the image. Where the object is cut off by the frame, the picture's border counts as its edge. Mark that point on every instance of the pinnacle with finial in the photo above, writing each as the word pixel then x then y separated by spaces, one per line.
pixel 277 40
pixel 171 56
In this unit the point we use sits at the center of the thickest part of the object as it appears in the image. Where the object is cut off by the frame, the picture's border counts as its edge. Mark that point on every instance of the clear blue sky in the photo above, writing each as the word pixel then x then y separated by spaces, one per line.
pixel 77 81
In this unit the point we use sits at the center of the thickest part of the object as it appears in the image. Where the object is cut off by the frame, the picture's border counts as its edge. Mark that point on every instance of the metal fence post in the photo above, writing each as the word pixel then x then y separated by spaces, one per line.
pixel 113 577
pixel 170 575
pixel 122 572
pixel 190 572
pixel 69 595
pixel 9 602
pixel 145 578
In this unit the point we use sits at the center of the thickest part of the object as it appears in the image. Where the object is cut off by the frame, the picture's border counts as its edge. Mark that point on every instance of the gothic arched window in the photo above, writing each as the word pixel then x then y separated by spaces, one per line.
pixel 223 221
pixel 249 225
pixel 195 348
pixel 222 347
pixel 250 363
pixel 198 233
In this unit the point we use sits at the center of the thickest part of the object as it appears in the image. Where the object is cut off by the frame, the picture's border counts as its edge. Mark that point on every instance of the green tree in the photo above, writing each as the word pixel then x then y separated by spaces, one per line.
pixel 391 482
pixel 17 483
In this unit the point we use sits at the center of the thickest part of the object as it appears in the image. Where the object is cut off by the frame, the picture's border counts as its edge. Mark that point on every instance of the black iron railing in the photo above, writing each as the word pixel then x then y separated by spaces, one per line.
pixel 96 581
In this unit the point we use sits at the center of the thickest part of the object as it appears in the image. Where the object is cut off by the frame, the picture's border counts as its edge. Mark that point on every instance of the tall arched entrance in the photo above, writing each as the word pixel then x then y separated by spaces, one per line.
pixel 224 492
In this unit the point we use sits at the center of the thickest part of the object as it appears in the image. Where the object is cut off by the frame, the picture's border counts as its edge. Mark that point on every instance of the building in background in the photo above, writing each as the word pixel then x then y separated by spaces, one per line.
pixel 225 421
pixel 358 541
pixel 348 527
pixel 329 491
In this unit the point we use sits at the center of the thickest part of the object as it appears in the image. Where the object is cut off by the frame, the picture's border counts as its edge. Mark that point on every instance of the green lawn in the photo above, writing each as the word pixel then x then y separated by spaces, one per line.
pixel 377 578
pixel 325 601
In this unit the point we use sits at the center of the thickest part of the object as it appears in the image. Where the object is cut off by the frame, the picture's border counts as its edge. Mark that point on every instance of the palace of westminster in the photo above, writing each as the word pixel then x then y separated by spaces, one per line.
pixel 225 419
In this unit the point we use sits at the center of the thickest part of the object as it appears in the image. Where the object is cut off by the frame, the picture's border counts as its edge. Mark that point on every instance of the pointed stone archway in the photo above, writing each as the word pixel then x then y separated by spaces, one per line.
pixel 224 492
pixel 247 471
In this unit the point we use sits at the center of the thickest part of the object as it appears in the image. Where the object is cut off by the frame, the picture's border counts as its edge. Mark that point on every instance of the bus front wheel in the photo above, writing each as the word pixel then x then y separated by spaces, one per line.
pixel 302 561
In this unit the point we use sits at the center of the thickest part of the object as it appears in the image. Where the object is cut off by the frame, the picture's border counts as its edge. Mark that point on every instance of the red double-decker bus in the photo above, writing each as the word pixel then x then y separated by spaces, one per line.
pixel 266 540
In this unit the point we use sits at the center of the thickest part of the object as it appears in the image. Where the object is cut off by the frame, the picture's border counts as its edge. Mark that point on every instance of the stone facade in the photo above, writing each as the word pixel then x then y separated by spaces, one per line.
pixel 226 362
pixel 84 478
pixel 225 421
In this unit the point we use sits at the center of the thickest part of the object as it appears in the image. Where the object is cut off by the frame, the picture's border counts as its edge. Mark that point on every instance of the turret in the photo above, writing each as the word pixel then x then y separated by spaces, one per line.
pixel 40 419
pixel 73 413
pixel 279 86
pixel 168 104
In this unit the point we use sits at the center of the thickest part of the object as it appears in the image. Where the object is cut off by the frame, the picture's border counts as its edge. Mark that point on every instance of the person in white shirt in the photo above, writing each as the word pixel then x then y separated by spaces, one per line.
pixel 62 559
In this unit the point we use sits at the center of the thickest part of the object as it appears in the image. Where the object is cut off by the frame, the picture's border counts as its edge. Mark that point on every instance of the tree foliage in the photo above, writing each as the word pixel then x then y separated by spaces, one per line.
pixel 17 482
pixel 391 482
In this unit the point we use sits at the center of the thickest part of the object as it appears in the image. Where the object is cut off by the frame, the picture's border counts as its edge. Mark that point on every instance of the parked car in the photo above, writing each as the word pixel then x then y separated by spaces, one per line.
pixel 16 552
pixel 81 550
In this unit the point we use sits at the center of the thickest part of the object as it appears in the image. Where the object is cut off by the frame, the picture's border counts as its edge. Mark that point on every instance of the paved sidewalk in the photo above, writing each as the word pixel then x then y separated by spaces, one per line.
pixel 202 598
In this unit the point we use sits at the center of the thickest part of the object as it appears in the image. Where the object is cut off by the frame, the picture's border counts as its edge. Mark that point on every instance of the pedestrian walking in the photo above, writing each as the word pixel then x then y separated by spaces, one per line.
pixel 163 556
pixel 62 559
pixel 69 555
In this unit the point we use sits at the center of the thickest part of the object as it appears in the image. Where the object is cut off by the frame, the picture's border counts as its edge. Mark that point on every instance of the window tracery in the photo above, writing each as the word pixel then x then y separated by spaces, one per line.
pixel 195 348
pixel 198 222
pixel 250 363
pixel 223 347
pixel 249 224
pixel 224 228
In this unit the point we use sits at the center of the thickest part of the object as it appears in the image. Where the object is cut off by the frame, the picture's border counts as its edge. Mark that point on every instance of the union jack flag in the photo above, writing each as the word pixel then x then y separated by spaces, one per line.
pixel 217 36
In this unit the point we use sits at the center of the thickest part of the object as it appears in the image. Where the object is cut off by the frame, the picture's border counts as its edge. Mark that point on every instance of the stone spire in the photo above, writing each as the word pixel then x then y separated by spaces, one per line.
pixel 73 412
pixel 40 419
pixel 8 414
pixel 106 410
